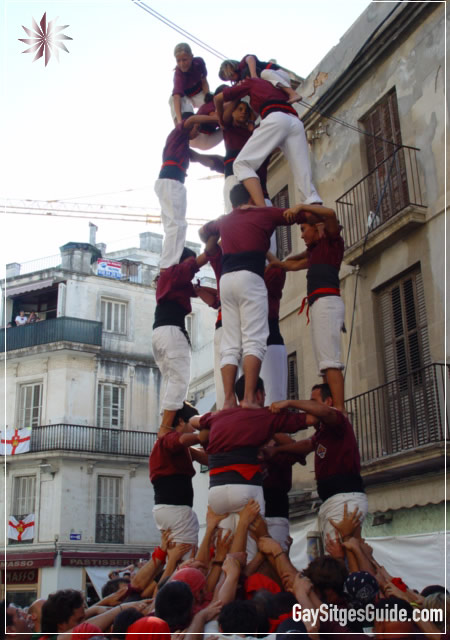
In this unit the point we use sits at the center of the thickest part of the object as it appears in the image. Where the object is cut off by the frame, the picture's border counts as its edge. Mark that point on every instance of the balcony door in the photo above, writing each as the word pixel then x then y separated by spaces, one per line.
pixel 410 401
pixel 383 121
pixel 109 516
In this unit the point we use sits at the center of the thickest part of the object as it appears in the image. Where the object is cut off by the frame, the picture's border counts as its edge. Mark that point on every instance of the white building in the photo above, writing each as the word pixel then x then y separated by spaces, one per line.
pixel 86 382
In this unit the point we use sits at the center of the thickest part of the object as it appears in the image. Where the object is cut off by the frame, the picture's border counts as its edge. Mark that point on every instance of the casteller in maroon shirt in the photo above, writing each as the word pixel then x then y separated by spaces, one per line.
pixel 336 458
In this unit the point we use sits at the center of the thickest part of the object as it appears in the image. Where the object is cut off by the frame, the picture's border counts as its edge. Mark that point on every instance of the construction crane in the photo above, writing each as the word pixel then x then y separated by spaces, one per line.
pixel 85 211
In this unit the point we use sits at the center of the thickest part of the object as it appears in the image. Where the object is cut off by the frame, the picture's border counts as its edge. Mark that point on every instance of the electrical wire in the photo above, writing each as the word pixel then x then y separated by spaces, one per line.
pixel 180 30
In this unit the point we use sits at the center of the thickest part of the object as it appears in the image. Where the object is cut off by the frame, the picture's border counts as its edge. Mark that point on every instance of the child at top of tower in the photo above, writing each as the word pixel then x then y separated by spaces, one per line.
pixel 251 67
pixel 190 85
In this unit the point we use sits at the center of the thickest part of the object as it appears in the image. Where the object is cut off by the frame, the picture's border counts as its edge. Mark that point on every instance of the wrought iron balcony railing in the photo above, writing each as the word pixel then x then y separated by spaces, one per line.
pixel 53 330
pixel 402 415
pixel 395 180
pixel 73 437
pixel 109 529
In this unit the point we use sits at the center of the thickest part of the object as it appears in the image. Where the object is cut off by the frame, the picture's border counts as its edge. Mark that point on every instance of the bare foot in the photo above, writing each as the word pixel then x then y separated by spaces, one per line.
pixel 246 404
pixel 294 97
pixel 230 404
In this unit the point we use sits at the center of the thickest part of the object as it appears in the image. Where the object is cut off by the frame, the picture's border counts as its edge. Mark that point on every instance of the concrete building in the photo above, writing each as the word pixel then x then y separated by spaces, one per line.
pixel 86 382
pixel 378 159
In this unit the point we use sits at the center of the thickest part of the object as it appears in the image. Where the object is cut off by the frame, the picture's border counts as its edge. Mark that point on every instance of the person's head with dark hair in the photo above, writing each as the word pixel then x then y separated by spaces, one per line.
pixel 239 616
pixel 187 253
pixel 328 576
pixel 123 620
pixel 113 585
pixel 289 627
pixel 324 391
pixel 388 629
pixel 220 88
pixel 241 114
pixel 239 196
pixel 63 610
pixel 432 588
pixel 174 604
pixel 239 388
pixel 184 414
pixel 16 620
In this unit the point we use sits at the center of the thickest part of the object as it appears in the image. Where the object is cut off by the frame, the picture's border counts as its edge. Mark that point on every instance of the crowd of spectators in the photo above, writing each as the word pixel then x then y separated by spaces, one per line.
pixel 183 592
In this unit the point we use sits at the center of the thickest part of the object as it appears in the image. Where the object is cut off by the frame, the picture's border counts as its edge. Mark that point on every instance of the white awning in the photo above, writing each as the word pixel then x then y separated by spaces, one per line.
pixel 25 288
pixel 206 403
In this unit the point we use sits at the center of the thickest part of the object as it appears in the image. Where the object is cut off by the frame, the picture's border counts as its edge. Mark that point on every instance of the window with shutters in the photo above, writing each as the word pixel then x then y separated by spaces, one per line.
pixel 388 179
pixel 23 502
pixel 284 236
pixel 110 406
pixel 30 405
pixel 403 325
pixel 110 520
pixel 114 316
pixel 292 390
pixel 24 494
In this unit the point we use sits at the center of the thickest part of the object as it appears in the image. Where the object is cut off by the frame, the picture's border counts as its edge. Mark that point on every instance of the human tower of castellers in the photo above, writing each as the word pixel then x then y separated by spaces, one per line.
pixel 240 579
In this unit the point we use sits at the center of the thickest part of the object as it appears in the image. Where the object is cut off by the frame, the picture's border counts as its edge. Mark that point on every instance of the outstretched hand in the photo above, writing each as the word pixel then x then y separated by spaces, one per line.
pixel 349 523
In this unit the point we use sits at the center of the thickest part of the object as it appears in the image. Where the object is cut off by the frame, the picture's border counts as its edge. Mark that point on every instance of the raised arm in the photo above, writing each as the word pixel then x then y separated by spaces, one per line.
pixel 323 412
pixel 251 61
pixel 325 214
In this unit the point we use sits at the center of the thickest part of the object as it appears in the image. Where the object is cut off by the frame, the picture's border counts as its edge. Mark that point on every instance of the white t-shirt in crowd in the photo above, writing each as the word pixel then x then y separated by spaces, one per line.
pixel 21 319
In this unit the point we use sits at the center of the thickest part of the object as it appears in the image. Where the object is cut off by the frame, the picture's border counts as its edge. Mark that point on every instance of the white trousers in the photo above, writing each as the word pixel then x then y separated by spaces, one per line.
pixel 286 131
pixel 173 357
pixel 180 519
pixel 187 104
pixel 276 77
pixel 218 382
pixel 173 201
pixel 231 498
pixel 274 372
pixel 243 296
pixel 327 318
pixel 334 508
pixel 205 141
pixel 279 531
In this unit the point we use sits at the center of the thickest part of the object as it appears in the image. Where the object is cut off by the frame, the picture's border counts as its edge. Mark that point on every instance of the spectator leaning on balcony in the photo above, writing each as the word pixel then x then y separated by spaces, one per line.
pixel 32 318
pixel 21 319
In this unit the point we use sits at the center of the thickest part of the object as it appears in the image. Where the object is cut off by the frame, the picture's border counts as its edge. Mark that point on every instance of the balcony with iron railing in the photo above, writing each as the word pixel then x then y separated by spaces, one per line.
pixel 74 438
pixel 404 415
pixel 53 330
pixel 383 204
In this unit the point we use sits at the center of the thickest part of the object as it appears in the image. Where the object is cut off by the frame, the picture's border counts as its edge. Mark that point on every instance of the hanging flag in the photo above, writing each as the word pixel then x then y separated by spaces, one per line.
pixel 21 529
pixel 17 441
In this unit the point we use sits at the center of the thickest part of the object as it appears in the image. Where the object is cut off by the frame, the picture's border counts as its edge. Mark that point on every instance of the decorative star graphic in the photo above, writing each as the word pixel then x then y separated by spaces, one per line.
pixel 44 38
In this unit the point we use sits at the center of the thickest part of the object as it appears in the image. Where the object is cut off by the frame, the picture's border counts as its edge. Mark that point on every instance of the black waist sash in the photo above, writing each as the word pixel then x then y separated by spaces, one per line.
pixel 339 483
pixel 253 261
pixel 321 276
pixel 275 336
pixel 277 502
pixel 175 489
pixel 271 106
pixel 169 313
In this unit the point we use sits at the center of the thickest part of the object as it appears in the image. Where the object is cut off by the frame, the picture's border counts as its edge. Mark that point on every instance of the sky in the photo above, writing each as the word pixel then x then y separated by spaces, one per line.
pixel 91 127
